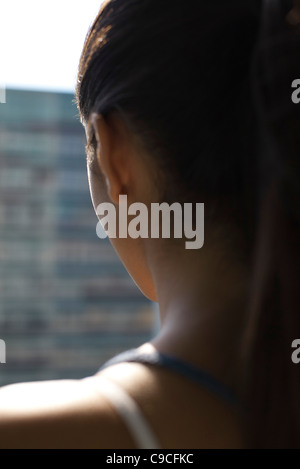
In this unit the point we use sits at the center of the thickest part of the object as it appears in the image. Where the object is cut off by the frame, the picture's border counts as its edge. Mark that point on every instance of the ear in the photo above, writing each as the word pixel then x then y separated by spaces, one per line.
pixel 112 154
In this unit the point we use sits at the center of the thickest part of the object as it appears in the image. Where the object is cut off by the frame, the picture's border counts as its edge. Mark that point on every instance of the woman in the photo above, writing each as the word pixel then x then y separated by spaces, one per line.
pixel 190 103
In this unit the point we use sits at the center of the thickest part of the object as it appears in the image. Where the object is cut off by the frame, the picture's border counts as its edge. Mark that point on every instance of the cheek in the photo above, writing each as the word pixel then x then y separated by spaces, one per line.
pixel 130 251
pixel 132 254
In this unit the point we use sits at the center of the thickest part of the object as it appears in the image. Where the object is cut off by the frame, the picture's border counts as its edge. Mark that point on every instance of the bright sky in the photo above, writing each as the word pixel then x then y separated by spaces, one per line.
pixel 41 42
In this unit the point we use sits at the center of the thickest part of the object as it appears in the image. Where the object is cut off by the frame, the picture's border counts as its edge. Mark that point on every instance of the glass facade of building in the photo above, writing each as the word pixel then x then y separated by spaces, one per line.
pixel 66 302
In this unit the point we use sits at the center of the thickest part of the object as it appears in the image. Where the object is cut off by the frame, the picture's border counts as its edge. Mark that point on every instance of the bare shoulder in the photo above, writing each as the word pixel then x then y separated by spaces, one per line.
pixel 181 414
pixel 76 414
pixel 59 414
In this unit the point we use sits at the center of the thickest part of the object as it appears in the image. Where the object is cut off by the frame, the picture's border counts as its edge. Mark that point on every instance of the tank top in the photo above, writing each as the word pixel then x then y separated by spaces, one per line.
pixel 128 409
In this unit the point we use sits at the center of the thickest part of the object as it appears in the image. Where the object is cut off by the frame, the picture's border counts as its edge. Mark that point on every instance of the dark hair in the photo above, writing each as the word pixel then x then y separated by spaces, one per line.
pixel 207 87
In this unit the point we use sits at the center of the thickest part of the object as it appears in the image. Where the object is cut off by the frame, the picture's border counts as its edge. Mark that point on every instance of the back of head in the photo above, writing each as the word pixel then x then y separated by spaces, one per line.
pixel 207 88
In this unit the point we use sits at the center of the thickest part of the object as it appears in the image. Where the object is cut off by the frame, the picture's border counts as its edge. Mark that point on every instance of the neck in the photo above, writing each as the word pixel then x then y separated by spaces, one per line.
pixel 201 298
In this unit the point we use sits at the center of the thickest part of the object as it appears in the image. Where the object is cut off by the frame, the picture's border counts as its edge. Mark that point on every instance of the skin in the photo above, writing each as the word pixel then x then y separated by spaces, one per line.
pixel 201 296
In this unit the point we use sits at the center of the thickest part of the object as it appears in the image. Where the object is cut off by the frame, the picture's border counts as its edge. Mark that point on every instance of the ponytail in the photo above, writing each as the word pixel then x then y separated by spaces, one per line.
pixel 271 383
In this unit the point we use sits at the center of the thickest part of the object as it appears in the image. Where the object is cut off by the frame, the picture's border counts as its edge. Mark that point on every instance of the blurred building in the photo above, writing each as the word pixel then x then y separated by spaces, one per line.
pixel 66 302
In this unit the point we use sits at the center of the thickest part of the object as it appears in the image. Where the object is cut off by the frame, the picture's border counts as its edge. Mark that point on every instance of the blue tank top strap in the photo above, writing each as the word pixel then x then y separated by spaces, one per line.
pixel 178 366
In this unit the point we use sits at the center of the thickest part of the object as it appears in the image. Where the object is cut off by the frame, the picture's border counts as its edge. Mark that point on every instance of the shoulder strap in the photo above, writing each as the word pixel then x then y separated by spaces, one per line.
pixel 128 410
pixel 178 366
